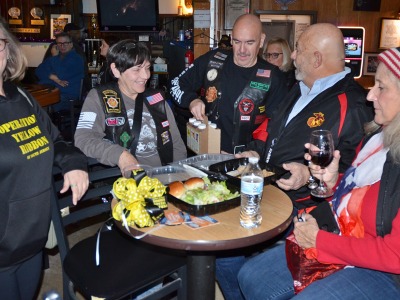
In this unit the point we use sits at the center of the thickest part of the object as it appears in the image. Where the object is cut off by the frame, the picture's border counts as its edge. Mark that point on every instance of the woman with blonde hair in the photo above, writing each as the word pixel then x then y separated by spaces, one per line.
pixel 277 52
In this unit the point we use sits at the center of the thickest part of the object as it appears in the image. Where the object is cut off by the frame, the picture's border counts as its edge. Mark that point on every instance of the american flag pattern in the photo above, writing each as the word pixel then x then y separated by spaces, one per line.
pixel 155 98
pixel 86 120
pixel 263 73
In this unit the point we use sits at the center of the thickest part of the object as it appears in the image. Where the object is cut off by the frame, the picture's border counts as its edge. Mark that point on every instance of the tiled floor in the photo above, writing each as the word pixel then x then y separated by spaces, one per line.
pixel 52 279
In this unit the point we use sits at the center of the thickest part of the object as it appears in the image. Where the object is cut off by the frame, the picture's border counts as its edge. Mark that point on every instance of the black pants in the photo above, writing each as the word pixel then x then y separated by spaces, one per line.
pixel 21 281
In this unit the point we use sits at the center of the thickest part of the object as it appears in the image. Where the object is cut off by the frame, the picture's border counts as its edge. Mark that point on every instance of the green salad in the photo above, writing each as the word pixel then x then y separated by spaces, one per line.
pixel 213 192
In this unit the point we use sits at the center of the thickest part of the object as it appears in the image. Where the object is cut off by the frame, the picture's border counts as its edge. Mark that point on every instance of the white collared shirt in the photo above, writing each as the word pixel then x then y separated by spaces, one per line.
pixel 320 85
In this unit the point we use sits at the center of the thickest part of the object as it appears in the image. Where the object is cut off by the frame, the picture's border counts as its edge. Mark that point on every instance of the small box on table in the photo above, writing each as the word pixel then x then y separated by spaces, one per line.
pixel 203 140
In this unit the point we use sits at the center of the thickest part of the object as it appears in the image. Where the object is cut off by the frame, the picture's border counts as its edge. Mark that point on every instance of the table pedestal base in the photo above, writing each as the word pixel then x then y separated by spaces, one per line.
pixel 201 276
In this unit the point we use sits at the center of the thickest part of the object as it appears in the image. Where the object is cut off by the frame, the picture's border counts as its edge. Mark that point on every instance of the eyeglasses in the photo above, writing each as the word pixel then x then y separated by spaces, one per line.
pixel 273 55
pixel 3 43
pixel 63 44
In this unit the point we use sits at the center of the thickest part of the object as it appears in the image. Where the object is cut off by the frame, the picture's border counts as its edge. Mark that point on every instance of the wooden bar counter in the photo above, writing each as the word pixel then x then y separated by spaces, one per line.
pixel 44 94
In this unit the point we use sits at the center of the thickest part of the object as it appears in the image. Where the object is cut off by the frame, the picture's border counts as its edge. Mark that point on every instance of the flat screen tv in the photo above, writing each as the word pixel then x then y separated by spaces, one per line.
pixel 128 15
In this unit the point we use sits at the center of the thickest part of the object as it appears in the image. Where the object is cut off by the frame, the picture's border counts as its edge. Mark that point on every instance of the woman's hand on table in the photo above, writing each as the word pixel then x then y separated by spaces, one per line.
pixel 305 231
pixel 78 181
pixel 126 160
pixel 331 172
pixel 299 176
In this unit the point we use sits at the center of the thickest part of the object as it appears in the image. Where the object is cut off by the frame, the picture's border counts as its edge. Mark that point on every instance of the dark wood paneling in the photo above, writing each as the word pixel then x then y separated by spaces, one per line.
pixel 340 13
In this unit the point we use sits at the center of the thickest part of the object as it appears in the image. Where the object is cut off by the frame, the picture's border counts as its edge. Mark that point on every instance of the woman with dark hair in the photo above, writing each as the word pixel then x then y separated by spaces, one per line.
pixel 51 51
pixel 124 123
pixel 29 144
pixel 105 74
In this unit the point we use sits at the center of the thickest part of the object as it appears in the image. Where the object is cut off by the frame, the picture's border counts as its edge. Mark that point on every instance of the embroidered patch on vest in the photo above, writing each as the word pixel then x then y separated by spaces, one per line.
pixel 262 109
pixel 165 123
pixel 155 98
pixel 263 73
pixel 211 94
pixel 317 120
pixel 220 55
pixel 125 138
pixel 111 101
pixel 165 137
pixel 117 121
pixel 259 86
pixel 244 118
pixel 246 106
pixel 212 74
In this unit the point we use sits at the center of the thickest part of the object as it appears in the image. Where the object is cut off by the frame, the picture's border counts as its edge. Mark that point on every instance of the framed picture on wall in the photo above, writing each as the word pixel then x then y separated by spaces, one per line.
pixel 57 23
pixel 233 9
pixel 390 33
pixel 370 63
pixel 287 24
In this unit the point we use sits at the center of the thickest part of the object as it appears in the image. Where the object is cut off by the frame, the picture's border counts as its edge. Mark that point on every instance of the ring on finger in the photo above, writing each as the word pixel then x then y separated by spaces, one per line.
pixel 73 185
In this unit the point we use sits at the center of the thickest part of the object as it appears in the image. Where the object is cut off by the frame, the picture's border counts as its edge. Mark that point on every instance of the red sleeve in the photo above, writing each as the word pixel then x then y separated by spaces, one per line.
pixel 372 252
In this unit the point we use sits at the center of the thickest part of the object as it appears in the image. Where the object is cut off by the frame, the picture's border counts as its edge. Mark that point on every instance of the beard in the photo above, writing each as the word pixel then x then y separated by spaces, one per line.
pixel 298 74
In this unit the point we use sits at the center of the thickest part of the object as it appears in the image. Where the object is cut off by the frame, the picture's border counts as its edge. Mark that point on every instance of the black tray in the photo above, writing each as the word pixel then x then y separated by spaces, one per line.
pixel 208 209
pixel 233 164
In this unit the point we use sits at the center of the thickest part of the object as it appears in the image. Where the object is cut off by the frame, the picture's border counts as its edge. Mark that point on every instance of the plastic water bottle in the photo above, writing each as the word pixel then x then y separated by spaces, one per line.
pixel 251 189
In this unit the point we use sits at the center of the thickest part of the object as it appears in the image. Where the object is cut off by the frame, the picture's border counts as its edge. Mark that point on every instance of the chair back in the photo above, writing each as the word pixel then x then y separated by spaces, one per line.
pixel 117 250
pixel 96 202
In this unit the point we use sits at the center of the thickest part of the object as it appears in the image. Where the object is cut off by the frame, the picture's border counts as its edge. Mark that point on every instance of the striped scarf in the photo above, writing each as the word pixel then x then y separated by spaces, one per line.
pixel 365 170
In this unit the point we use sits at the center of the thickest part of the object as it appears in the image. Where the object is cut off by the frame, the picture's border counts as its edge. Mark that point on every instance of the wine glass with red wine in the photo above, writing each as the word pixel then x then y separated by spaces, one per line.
pixel 321 151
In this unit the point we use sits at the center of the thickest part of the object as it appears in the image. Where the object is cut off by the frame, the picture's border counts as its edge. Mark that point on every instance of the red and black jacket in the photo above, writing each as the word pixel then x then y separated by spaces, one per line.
pixel 341 109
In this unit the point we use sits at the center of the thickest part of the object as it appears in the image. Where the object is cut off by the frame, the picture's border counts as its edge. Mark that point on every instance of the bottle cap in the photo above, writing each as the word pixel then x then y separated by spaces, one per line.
pixel 196 123
pixel 202 126
pixel 213 125
pixel 192 120
pixel 253 160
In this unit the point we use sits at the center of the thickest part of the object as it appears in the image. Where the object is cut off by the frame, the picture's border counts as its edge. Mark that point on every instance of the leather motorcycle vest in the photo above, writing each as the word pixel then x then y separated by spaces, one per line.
pixel 117 127
pixel 249 106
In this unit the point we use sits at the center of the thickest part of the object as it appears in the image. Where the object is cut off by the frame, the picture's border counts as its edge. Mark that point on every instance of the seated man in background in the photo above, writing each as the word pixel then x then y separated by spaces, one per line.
pixel 327 97
pixel 64 71
pixel 124 123
pixel 78 36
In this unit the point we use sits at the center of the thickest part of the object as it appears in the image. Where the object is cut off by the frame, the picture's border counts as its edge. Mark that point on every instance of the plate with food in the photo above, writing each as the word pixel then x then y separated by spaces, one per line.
pixel 234 168
pixel 202 196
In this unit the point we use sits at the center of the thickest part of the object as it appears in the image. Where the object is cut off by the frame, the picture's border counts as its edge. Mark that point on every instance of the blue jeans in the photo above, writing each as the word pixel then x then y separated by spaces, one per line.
pixel 227 268
pixel 226 271
pixel 266 276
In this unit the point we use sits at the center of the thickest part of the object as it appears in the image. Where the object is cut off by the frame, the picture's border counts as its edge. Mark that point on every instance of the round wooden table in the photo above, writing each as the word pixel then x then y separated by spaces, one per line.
pixel 227 234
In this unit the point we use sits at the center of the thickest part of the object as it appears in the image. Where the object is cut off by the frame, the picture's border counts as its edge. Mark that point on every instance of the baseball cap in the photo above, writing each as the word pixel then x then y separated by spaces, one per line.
pixel 71 26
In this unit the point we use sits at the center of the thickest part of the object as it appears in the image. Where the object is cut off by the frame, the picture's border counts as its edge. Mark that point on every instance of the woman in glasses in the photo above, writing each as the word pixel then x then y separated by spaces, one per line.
pixel 29 145
pixel 277 52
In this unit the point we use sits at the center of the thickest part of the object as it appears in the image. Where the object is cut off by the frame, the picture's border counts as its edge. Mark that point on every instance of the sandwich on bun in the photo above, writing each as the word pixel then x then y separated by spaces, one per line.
pixel 176 189
pixel 194 183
